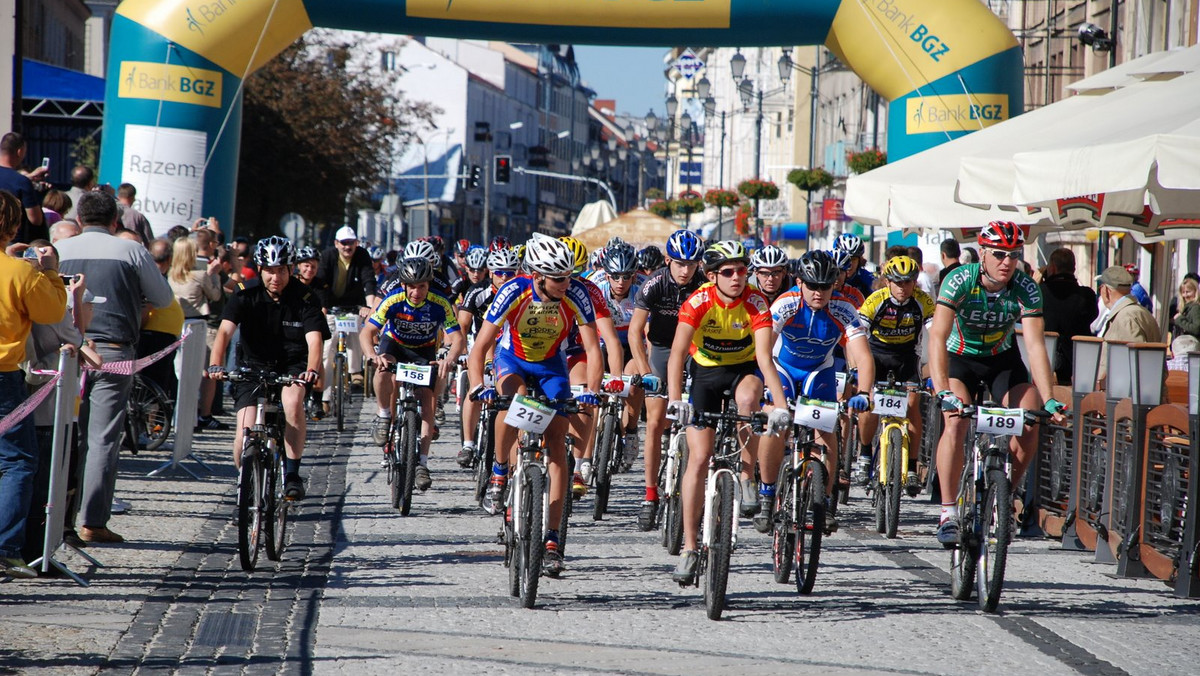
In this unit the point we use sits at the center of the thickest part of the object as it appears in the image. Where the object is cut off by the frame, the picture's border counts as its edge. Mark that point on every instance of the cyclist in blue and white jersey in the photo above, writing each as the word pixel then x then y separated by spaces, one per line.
pixel 620 285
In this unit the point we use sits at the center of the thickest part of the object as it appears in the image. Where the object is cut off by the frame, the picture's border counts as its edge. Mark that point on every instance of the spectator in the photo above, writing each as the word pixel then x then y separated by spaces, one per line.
pixel 12 156
pixel 83 180
pixel 161 327
pixel 54 205
pixel 1139 292
pixel 125 233
pixel 1125 320
pixel 28 293
pixel 131 218
pixel 126 276
pixel 176 232
pixel 1068 308
pixel 1181 347
pixel 63 229
pixel 194 280
pixel 950 253
pixel 1186 322
pixel 969 255
pixel 924 280
pixel 1173 306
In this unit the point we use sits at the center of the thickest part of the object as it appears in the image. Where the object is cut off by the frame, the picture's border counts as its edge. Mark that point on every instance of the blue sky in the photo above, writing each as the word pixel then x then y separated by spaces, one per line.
pixel 631 75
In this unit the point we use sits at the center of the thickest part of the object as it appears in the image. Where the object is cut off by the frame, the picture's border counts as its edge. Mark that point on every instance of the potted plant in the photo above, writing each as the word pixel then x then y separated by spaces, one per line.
pixel 860 162
pixel 721 198
pixel 741 222
pixel 810 179
pixel 661 208
pixel 655 194
pixel 689 202
pixel 758 189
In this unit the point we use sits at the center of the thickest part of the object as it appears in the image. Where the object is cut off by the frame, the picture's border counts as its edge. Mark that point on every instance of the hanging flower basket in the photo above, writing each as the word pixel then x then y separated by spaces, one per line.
pixel 661 208
pixel 689 202
pixel 810 179
pixel 721 198
pixel 863 161
pixel 741 222
pixel 655 194
pixel 757 189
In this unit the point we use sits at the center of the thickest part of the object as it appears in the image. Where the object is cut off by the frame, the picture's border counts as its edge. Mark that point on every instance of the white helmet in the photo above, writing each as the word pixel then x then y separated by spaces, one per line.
pixel 422 249
pixel 549 256
pixel 503 259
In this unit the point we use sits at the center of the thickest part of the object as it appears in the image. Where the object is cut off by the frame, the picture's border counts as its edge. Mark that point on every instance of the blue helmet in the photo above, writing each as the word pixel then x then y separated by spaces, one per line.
pixel 685 245
pixel 841 258
pixel 850 243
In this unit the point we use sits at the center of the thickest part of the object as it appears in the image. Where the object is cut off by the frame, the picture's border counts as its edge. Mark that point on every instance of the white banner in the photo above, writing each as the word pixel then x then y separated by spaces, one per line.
pixel 166 166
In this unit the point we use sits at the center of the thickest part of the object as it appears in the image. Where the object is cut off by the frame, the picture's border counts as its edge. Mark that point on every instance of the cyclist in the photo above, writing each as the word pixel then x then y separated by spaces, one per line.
pixel 810 322
pixel 345 279
pixel 475 274
pixel 281 330
pixel 650 259
pixel 857 275
pixel 655 314
pixel 531 316
pixel 499 242
pixel 503 265
pixel 420 248
pixel 971 340
pixel 408 325
pixel 461 247
pixel 894 317
pixel 770 266
pixel 726 326
pixel 842 287
pixel 306 264
pixel 620 285
pixel 378 264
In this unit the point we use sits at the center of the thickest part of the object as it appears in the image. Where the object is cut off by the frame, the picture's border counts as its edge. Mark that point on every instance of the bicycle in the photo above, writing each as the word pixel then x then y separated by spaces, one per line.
pixel 527 498
pixel 345 324
pixel 892 445
pixel 798 525
pixel 610 445
pixel 985 501
pixel 722 501
pixel 261 505
pixel 402 448
pixel 148 414
pixel 670 488
pixel 485 449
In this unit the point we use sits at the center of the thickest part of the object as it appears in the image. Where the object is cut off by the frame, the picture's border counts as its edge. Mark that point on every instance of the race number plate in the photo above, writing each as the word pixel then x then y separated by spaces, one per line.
pixel 891 404
pixel 841 379
pixel 414 374
pixel 1005 421
pixel 819 415
pixel 528 415
pixel 346 323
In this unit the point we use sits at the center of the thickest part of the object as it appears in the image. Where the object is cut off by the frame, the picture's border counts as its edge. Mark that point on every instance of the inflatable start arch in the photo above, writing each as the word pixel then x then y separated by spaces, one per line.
pixel 172 118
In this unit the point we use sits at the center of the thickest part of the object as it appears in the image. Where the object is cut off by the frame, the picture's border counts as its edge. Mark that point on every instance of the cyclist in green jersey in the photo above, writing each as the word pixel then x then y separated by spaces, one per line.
pixel 971 342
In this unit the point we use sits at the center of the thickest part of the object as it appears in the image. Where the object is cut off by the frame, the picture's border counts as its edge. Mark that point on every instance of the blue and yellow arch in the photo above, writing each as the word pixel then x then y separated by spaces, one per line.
pixel 173 97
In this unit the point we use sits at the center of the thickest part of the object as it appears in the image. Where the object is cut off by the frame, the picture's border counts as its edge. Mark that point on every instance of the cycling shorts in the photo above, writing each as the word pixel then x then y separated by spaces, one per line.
pixel 906 365
pixel 709 384
pixel 549 376
pixel 246 394
pixel 820 384
pixel 408 355
pixel 1000 372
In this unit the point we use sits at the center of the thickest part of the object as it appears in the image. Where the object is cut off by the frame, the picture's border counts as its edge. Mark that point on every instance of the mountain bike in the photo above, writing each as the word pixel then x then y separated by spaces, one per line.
pixel 670 488
pixel 403 445
pixel 261 506
pixel 485 445
pixel 985 501
pixel 345 325
pixel 148 414
pixel 609 453
pixel 798 524
pixel 892 445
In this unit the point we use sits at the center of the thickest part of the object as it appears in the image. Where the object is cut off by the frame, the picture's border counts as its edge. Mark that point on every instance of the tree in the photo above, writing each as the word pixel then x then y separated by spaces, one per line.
pixel 317 126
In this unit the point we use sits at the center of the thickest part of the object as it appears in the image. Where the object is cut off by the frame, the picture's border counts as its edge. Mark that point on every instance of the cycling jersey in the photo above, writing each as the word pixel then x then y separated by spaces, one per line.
pixel 661 297
pixel 724 332
pixel 574 347
pixel 895 326
pixel 984 322
pixel 863 281
pixel 621 310
pixel 787 283
pixel 273 332
pixel 532 328
pixel 437 287
pixel 414 325
pixel 851 294
pixel 477 301
pixel 807 337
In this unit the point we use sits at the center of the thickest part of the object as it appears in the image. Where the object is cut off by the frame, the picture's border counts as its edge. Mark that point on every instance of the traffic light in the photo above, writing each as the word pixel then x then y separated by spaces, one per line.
pixel 473 179
pixel 503 171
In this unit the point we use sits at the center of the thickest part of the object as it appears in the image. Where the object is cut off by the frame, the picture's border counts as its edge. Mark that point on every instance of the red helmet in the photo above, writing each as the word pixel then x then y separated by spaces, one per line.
pixel 1001 235
pixel 499 242
pixel 461 246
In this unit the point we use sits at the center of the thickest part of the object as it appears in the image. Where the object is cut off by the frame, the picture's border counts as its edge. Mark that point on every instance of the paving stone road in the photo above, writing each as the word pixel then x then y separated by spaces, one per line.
pixel 363 590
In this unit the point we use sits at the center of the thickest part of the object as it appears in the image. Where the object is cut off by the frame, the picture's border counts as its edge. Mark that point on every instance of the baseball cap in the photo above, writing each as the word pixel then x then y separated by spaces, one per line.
pixel 345 233
pixel 1115 276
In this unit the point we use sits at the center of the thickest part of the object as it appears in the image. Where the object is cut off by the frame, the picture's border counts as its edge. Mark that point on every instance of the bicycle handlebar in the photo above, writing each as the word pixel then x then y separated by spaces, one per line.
pixel 569 406
pixel 1032 415
pixel 248 375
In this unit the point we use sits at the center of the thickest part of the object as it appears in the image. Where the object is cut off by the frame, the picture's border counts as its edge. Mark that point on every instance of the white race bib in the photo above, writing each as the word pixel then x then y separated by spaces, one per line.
pixel 414 374
pixel 890 403
pixel 841 379
pixel 1003 421
pixel 346 324
pixel 528 415
pixel 818 415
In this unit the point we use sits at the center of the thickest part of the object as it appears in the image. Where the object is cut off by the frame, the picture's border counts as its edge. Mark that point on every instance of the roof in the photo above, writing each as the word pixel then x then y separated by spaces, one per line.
pixel 43 81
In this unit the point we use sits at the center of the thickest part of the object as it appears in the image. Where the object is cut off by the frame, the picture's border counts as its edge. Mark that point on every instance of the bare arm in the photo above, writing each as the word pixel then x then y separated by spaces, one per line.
pixel 595 358
pixel 1034 329
pixel 939 358
pixel 483 341
pixel 764 339
pixel 679 354
pixel 637 339
pixel 612 344
pixel 221 342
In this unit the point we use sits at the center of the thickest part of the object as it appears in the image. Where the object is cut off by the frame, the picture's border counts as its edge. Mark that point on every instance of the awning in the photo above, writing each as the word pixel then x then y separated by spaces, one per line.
pixel 50 91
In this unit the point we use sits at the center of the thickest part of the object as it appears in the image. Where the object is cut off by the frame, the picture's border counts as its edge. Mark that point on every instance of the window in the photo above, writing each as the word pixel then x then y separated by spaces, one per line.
pixel 387 61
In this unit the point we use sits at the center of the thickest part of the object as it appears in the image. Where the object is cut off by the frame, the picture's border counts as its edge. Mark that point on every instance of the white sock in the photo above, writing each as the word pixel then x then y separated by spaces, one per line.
pixel 385 414
pixel 948 512
pixel 423 460
pixel 468 444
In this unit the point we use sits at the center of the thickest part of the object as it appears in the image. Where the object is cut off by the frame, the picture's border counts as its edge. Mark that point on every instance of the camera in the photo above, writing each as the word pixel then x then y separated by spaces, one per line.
pixel 1095 36
pixel 31 253
pixel 45 162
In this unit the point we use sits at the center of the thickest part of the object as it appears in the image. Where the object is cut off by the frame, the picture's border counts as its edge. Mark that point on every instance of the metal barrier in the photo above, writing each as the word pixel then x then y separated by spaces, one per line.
pixel 931 432
pixel 1053 472
pixel 1164 493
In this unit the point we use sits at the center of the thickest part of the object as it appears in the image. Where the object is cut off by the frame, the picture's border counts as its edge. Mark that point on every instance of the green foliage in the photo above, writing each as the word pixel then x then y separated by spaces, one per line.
pixel 866 160
pixel 662 208
pixel 721 198
pixel 758 189
pixel 810 179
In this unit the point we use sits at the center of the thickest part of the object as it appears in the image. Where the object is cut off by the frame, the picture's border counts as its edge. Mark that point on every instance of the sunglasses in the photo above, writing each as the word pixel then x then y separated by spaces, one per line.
pixel 770 273
pixel 1001 255
pixel 818 287
pixel 621 278
pixel 732 272
pixel 477 270
pixel 503 274
pixel 348 242
pixel 561 279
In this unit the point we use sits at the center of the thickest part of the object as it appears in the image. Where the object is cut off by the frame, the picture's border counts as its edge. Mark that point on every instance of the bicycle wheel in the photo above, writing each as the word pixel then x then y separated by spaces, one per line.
pixel 409 450
pixel 895 480
pixel 602 462
pixel 339 390
pixel 963 555
pixel 151 412
pixel 848 452
pixel 783 533
pixel 716 578
pixel 674 524
pixel 531 541
pixel 810 528
pixel 877 486
pixel 249 507
pixel 997 522
pixel 485 455
pixel 277 507
pixel 391 455
pixel 567 507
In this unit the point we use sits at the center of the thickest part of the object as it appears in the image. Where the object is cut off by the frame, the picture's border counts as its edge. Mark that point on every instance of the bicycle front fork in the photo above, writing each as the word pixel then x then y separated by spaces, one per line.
pixel 712 504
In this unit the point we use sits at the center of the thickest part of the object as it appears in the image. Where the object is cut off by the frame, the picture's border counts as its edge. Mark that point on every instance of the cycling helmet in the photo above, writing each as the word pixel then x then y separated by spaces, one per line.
pixel 549 256
pixel 439 244
pixel 850 243
pixel 503 259
pixel 620 260
pixel 1001 235
pixel 817 267
pixel 578 251
pixel 462 246
pixel 685 245
pixel 306 253
pixel 841 259
pixel 272 251
pixel 722 252
pixel 901 269
pixel 414 270
pixel 596 260
pixel 650 258
pixel 769 256
pixel 477 257
pixel 499 242
pixel 615 241
pixel 1132 269
pixel 376 252
pixel 422 249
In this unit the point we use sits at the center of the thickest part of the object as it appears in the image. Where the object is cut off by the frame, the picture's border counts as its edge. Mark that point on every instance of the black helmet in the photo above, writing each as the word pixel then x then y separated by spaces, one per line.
pixel 414 270
pixel 651 258
pixel 620 260
pixel 817 267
